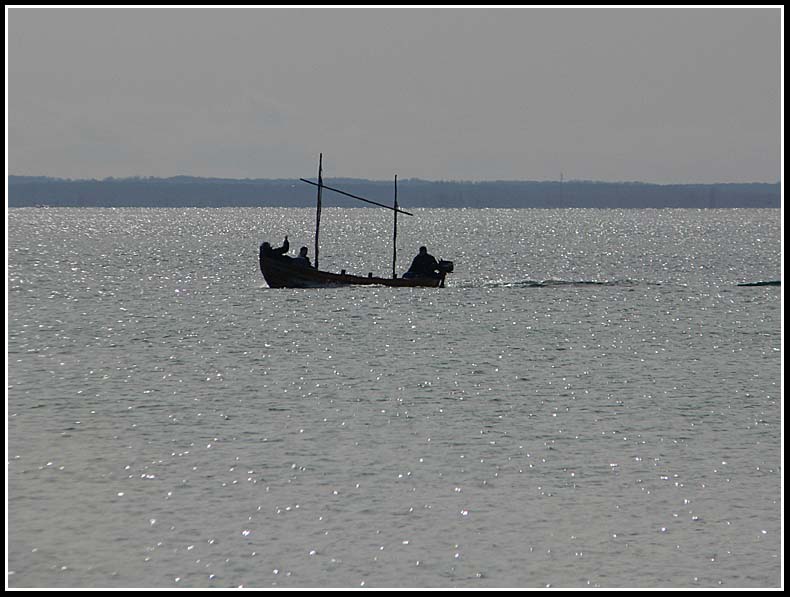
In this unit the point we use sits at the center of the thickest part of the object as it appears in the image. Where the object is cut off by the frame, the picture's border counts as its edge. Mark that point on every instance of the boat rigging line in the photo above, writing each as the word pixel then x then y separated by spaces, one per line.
pixel 400 211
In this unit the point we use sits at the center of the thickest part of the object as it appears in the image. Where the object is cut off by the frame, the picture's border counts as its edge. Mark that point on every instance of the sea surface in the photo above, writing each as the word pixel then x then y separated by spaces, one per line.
pixel 593 401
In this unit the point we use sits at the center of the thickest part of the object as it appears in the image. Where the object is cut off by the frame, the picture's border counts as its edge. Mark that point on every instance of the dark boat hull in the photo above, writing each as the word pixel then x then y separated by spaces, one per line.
pixel 283 272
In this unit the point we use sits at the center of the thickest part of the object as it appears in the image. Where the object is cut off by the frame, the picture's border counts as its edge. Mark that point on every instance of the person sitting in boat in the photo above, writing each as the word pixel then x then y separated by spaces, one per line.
pixel 303 259
pixel 424 265
pixel 268 251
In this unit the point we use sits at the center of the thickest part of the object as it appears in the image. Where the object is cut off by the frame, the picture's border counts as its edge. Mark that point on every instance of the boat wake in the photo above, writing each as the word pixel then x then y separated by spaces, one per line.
pixel 557 283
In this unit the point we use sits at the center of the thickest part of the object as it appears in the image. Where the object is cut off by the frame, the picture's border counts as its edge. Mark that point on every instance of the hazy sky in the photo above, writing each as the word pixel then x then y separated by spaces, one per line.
pixel 657 95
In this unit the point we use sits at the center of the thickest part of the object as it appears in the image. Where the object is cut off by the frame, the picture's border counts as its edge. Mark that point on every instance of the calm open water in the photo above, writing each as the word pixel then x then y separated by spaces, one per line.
pixel 592 402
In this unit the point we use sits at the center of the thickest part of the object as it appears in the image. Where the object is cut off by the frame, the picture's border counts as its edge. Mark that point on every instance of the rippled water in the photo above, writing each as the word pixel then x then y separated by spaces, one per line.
pixel 593 401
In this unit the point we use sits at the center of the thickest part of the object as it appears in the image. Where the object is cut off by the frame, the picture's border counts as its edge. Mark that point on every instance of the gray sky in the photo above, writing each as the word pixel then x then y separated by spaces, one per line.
pixel 674 95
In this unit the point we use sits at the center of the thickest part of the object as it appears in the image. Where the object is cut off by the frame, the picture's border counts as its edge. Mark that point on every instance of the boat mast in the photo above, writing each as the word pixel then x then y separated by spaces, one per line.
pixel 395 230
pixel 320 184
pixel 318 208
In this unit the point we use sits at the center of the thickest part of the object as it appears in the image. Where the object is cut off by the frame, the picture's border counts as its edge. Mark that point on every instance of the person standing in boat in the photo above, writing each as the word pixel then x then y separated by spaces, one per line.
pixel 303 259
pixel 424 265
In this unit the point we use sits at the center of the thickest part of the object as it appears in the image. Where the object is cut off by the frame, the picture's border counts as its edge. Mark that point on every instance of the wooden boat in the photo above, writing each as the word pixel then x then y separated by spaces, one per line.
pixel 281 271
pixel 284 272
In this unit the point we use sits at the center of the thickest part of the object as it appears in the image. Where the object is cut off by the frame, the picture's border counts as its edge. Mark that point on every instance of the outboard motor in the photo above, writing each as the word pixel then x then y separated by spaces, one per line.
pixel 445 267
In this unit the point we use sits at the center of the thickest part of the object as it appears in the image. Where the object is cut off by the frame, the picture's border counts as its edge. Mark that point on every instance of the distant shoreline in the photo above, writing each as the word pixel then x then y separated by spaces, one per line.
pixel 186 191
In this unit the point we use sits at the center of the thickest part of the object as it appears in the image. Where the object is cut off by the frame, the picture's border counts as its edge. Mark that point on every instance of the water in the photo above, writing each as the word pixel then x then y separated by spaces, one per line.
pixel 592 402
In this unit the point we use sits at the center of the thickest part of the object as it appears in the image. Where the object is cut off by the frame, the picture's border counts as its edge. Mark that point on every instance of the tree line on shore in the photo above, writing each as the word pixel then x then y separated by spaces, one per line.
pixel 186 191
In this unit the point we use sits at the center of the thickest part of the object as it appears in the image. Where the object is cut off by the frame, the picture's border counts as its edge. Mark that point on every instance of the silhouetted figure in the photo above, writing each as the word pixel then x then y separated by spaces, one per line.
pixel 303 259
pixel 424 265
pixel 268 251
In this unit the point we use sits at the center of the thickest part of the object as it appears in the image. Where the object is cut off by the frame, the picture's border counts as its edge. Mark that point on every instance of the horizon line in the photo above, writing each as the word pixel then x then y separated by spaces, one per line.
pixel 146 178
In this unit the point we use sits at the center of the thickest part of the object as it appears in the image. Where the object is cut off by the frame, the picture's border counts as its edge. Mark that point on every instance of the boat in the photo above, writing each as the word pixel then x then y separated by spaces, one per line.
pixel 284 272
pixel 281 271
